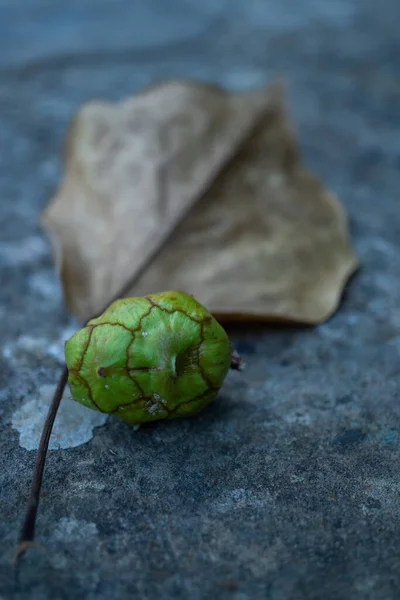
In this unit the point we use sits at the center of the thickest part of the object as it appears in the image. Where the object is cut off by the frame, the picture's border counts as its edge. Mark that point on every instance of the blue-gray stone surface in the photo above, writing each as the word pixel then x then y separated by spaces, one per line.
pixel 288 487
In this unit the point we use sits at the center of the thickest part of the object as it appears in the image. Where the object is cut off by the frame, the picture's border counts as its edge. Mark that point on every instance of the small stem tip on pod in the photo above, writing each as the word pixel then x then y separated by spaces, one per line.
pixel 236 362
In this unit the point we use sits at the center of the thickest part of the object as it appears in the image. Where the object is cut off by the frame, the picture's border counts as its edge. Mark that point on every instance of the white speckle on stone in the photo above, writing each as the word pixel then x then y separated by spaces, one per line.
pixel 19 352
pixel 73 426
pixel 241 79
pixel 297 417
pixel 297 478
pixel 73 530
pixel 75 534
pixel 46 285
pixel 239 498
pixel 29 343
pixel 26 251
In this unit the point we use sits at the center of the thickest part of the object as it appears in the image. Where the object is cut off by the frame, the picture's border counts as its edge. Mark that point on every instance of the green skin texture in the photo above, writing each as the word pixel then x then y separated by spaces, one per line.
pixel 161 356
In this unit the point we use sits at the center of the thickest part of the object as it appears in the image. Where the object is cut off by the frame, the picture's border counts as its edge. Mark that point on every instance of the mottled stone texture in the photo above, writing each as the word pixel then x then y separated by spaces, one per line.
pixel 287 487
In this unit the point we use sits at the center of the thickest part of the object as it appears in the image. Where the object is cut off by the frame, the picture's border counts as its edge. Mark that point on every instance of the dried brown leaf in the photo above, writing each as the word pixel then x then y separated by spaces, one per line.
pixel 216 181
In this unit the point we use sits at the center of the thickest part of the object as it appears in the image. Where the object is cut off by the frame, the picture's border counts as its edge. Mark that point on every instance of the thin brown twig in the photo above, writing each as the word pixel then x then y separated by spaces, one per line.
pixel 27 534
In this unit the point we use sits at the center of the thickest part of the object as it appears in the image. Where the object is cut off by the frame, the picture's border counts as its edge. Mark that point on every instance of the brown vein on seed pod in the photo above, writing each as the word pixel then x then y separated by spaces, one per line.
pixel 132 332
pixel 138 328
pixel 146 314
pixel 122 407
pixel 141 390
pixel 127 370
pixel 202 341
pixel 135 329
pixel 87 386
pixel 200 322
pixel 196 398
pixel 143 369
pixel 206 379
pixel 82 358
pixel 133 403
pixel 174 310
pixel 114 325
pixel 100 370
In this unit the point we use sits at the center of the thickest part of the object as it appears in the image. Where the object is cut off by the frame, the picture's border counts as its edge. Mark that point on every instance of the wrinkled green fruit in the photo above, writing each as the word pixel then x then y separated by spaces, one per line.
pixel 144 359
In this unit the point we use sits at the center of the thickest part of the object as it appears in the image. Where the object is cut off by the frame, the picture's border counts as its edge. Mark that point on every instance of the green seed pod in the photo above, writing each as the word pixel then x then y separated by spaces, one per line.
pixel 144 359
